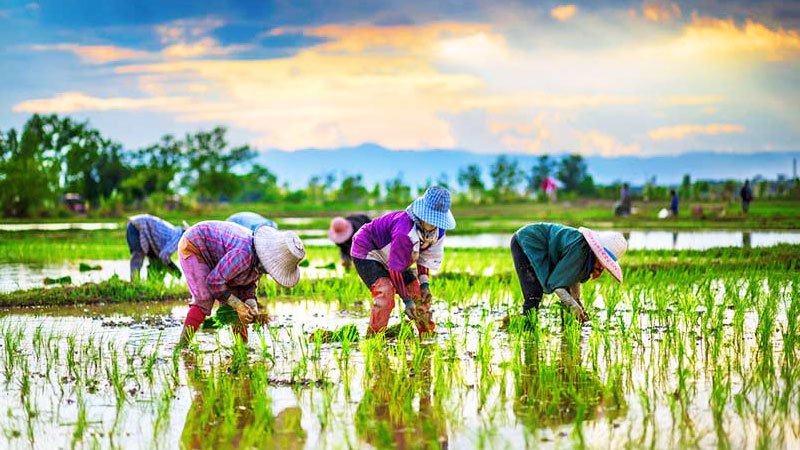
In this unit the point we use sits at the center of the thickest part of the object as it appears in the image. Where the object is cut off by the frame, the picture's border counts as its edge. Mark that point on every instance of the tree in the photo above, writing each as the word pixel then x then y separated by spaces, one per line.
pixel 397 192
pixel 259 185
pixel 574 175
pixel 544 168
pixel 211 164
pixel 685 190
pixel 352 190
pixel 470 179
pixel 506 175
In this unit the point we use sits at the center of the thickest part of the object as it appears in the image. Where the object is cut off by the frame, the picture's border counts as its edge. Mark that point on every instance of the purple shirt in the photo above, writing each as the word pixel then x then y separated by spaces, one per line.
pixel 227 248
pixel 157 236
pixel 392 240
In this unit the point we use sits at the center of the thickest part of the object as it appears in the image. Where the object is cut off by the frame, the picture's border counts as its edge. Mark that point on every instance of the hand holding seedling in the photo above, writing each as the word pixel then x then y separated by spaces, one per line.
pixel 246 313
pixel 411 308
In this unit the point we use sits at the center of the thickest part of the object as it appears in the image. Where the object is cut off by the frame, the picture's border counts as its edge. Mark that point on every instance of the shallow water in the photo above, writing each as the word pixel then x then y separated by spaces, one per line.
pixel 463 397
pixel 59 226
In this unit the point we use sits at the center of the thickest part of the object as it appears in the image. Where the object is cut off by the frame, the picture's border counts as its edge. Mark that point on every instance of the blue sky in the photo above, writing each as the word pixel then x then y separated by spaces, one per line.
pixel 598 78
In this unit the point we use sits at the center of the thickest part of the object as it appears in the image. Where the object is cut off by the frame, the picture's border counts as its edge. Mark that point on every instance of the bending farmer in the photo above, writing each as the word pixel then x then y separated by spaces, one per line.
pixel 224 261
pixel 341 233
pixel 556 258
pixel 384 250
pixel 155 238
pixel 251 220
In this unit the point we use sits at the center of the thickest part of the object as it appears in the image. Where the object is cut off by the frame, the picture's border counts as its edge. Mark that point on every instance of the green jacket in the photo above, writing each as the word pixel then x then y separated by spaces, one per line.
pixel 559 254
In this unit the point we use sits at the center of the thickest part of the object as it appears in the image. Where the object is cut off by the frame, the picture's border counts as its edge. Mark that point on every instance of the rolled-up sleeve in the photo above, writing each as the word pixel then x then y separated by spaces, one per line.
pixel 228 267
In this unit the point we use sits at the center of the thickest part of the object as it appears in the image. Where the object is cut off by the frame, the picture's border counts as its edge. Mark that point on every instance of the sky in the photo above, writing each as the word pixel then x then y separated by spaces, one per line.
pixel 600 78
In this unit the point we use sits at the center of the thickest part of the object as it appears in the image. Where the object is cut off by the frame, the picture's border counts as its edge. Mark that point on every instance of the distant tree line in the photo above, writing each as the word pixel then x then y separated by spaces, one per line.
pixel 53 155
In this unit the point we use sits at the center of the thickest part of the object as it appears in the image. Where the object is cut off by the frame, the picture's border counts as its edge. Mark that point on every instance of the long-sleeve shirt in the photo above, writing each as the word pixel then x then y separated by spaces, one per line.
pixel 559 254
pixel 393 241
pixel 157 236
pixel 227 248
pixel 251 220
pixel 357 221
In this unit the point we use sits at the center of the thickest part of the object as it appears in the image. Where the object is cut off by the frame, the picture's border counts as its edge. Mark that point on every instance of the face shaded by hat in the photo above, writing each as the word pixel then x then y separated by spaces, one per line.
pixel 608 247
pixel 433 207
pixel 279 252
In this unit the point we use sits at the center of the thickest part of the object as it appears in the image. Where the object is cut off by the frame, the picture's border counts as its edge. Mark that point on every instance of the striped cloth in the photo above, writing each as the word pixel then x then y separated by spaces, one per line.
pixel 157 236
pixel 228 249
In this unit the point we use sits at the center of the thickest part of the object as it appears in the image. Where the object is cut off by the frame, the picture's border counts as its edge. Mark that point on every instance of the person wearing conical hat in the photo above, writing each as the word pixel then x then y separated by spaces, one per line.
pixel 341 232
pixel 385 249
pixel 251 220
pixel 553 258
pixel 223 261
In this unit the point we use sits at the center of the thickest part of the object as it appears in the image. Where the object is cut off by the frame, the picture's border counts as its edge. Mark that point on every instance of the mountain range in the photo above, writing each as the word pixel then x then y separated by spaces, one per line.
pixel 377 164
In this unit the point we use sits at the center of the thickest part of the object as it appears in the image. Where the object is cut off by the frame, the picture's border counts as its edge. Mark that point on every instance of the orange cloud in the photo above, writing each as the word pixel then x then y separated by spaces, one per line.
pixel 69 102
pixel 692 100
pixel 204 47
pixel 722 37
pixel 678 132
pixel 96 54
pixel 660 11
pixel 598 143
pixel 563 13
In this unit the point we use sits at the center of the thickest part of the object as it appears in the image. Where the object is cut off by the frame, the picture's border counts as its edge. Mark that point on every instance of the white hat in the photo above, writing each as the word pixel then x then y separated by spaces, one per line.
pixel 608 247
pixel 279 252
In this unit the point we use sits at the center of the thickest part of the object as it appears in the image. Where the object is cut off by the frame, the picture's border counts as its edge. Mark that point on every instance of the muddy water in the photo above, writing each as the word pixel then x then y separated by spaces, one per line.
pixel 490 403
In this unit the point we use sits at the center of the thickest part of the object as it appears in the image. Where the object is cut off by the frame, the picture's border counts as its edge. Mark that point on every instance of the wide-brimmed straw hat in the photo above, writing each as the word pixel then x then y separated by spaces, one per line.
pixel 608 247
pixel 280 252
pixel 434 207
pixel 341 230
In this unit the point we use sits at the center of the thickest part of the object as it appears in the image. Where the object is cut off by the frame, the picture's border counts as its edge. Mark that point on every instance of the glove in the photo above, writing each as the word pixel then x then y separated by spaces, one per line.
pixel 411 309
pixel 245 313
pixel 425 293
pixel 253 304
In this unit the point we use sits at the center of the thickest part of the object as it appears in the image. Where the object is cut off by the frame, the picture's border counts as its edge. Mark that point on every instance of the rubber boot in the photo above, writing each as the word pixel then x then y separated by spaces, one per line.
pixel 382 304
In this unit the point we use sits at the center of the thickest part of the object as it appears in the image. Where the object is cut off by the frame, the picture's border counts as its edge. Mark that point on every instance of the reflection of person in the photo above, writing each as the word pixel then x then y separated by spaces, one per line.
pixel 155 238
pixel 251 220
pixel 223 261
pixel 549 395
pixel 673 203
pixel 341 233
pixel 248 429
pixel 746 193
pixel 386 417
pixel 553 258
pixel 384 250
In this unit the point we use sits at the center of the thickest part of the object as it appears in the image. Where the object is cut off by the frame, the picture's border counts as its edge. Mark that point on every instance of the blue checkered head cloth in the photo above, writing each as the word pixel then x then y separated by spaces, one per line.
pixel 434 207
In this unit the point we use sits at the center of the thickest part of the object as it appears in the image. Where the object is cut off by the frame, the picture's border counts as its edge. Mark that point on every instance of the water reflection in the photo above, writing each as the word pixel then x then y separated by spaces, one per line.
pixel 386 416
pixel 560 391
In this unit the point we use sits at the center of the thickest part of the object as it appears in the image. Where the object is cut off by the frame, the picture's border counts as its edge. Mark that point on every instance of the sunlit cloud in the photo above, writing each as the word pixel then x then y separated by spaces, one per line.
pixel 677 132
pixel 660 11
pixel 598 143
pixel 70 102
pixel 692 100
pixel 96 54
pixel 563 13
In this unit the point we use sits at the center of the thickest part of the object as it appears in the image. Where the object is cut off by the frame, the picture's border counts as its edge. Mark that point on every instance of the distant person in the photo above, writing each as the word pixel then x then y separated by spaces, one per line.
pixel 251 220
pixel 223 261
pixel 746 193
pixel 385 249
pixel 155 238
pixel 673 203
pixel 341 232
pixel 553 258
pixel 623 206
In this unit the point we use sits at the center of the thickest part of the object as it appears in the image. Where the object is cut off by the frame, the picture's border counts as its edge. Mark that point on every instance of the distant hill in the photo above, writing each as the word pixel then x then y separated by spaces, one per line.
pixel 378 164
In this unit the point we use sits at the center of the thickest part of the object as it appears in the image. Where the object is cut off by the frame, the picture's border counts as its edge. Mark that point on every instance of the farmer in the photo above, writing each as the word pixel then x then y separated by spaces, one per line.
pixel 341 233
pixel 155 238
pixel 673 203
pixel 384 250
pixel 556 258
pixel 623 207
pixel 746 193
pixel 251 220
pixel 224 261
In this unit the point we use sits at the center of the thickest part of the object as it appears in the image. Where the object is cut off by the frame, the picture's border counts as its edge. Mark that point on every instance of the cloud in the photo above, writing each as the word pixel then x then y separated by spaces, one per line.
pixel 69 102
pixel 563 13
pixel 691 100
pixel 524 136
pixel 717 38
pixel 660 11
pixel 95 54
pixel 678 132
pixel 203 47
pixel 598 143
